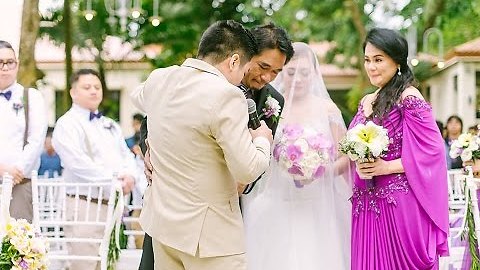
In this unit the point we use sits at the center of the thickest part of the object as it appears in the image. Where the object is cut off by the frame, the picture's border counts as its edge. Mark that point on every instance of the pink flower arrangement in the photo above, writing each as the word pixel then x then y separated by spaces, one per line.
pixel 303 153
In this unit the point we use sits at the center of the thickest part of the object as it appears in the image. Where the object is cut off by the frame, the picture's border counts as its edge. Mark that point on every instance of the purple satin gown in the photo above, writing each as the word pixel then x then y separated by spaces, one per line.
pixel 403 222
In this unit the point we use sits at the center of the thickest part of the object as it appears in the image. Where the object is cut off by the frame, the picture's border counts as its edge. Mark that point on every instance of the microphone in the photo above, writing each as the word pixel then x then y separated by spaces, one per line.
pixel 253 121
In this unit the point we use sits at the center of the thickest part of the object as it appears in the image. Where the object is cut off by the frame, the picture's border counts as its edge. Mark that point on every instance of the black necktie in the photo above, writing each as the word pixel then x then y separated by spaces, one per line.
pixel 7 95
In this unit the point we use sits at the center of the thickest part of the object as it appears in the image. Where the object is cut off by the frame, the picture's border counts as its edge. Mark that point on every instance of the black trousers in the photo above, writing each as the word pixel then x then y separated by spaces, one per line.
pixel 148 260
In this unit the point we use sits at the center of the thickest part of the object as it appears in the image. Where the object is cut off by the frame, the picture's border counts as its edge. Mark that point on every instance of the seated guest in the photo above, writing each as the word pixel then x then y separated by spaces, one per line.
pixel 50 164
pixel 136 124
pixel 452 132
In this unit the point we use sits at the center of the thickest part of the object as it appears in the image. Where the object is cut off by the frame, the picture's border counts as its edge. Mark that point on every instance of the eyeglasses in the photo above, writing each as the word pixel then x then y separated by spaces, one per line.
pixel 10 63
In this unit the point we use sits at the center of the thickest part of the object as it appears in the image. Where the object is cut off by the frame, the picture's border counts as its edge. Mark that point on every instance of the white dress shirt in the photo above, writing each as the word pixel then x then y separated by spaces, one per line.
pixel 12 128
pixel 91 150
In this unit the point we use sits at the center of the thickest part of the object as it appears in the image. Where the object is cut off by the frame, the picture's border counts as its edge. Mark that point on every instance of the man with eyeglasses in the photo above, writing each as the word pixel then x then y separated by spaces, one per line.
pixel 23 125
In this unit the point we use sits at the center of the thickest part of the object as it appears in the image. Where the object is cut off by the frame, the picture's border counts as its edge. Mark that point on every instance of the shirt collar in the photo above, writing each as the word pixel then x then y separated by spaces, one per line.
pixel 84 113
pixel 203 66
pixel 12 87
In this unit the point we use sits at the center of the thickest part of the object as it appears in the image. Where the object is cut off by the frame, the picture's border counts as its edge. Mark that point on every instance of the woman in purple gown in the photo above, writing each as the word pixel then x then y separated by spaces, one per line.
pixel 402 222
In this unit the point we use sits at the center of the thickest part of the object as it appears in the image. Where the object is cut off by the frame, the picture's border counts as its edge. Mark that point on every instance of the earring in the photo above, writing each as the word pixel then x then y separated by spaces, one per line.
pixel 399 72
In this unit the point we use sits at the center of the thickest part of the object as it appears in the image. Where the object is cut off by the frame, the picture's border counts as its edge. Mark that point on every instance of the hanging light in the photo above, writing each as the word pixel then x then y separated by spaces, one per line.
pixel 155 19
pixel 441 64
pixel 414 62
pixel 136 11
pixel 89 12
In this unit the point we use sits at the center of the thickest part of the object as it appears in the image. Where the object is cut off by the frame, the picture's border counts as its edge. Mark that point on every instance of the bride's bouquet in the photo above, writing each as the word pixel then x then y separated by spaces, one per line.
pixel 466 147
pixel 364 143
pixel 303 153
pixel 21 248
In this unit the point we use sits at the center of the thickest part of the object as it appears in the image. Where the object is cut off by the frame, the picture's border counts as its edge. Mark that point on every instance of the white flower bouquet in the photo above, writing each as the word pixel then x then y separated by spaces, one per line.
pixel 303 153
pixel 21 248
pixel 364 143
pixel 466 147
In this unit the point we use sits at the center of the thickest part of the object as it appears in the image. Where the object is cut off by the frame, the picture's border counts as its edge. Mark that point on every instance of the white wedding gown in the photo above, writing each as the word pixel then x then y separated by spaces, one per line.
pixel 290 228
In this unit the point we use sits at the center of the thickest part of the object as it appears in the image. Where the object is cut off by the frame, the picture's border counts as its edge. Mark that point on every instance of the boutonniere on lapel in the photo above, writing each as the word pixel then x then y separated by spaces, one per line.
pixel 17 106
pixel 107 123
pixel 271 109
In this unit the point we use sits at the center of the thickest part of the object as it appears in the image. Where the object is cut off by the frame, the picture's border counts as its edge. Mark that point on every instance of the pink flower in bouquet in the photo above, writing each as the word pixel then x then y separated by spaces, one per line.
pixel 295 169
pixel 294 153
pixel 303 153
pixel 318 142
pixel 292 131
pixel 277 150
pixel 319 172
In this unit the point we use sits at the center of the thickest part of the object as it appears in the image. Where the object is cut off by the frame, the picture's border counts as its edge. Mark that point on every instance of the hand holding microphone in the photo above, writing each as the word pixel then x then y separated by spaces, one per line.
pixel 253 121
pixel 257 128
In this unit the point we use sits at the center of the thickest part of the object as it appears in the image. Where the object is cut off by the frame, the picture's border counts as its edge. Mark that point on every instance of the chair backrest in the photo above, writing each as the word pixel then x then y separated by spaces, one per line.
pixel 58 203
pixel 455 185
pixel 132 223
pixel 6 186
pixel 467 185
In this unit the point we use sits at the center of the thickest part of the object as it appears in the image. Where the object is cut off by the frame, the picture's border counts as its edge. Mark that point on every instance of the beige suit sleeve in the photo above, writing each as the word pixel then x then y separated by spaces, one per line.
pixel 136 96
pixel 245 159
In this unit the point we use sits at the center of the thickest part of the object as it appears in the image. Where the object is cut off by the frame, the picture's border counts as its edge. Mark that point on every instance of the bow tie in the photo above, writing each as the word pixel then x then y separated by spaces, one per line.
pixel 7 95
pixel 95 115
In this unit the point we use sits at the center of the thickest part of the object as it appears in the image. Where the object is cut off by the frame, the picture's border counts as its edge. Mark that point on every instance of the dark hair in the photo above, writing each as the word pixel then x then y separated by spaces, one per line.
pixel 474 127
pixel 270 36
pixel 80 72
pixel 223 38
pixel 440 126
pixel 49 132
pixel 396 47
pixel 6 45
pixel 455 117
pixel 138 116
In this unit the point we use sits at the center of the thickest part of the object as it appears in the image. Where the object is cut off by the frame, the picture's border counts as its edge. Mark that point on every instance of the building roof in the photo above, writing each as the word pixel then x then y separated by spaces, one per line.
pixel 470 48
pixel 115 50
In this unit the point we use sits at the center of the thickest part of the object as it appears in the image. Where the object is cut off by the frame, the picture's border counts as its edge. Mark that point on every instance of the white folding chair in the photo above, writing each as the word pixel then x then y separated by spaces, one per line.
pixel 461 186
pixel 6 186
pixel 50 214
pixel 130 257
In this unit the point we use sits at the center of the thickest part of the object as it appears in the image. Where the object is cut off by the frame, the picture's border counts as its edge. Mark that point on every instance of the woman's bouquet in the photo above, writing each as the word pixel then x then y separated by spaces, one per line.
pixel 466 147
pixel 21 248
pixel 303 153
pixel 364 143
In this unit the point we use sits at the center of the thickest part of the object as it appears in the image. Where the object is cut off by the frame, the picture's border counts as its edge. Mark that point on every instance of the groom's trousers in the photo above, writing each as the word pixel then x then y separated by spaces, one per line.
pixel 167 258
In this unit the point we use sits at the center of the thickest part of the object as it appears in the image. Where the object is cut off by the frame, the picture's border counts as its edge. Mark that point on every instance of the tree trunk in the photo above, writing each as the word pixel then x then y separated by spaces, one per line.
pixel 67 17
pixel 362 84
pixel 433 8
pixel 27 74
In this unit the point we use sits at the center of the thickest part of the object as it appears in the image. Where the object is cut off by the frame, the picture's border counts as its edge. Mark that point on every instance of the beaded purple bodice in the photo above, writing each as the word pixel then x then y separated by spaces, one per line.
pixel 388 187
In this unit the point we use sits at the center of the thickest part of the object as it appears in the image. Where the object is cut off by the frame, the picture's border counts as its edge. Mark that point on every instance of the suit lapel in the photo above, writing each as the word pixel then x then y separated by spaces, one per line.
pixel 261 98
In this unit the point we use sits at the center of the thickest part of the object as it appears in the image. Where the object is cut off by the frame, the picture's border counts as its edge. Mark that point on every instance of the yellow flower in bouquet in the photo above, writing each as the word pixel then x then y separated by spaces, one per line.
pixel 21 247
pixel 365 141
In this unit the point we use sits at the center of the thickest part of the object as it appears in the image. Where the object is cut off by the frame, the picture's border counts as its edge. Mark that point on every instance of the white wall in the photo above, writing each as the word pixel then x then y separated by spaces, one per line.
pixel 11 21
pixel 446 101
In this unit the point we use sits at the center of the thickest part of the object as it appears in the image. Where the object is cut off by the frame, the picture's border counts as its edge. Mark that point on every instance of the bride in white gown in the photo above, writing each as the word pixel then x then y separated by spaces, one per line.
pixel 303 224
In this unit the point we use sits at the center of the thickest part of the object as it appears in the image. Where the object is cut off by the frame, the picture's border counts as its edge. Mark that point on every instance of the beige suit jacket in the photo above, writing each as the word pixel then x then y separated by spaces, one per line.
pixel 200 147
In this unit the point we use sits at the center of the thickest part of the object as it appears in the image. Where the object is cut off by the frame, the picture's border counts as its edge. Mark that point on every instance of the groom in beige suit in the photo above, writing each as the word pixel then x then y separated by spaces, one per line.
pixel 200 148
